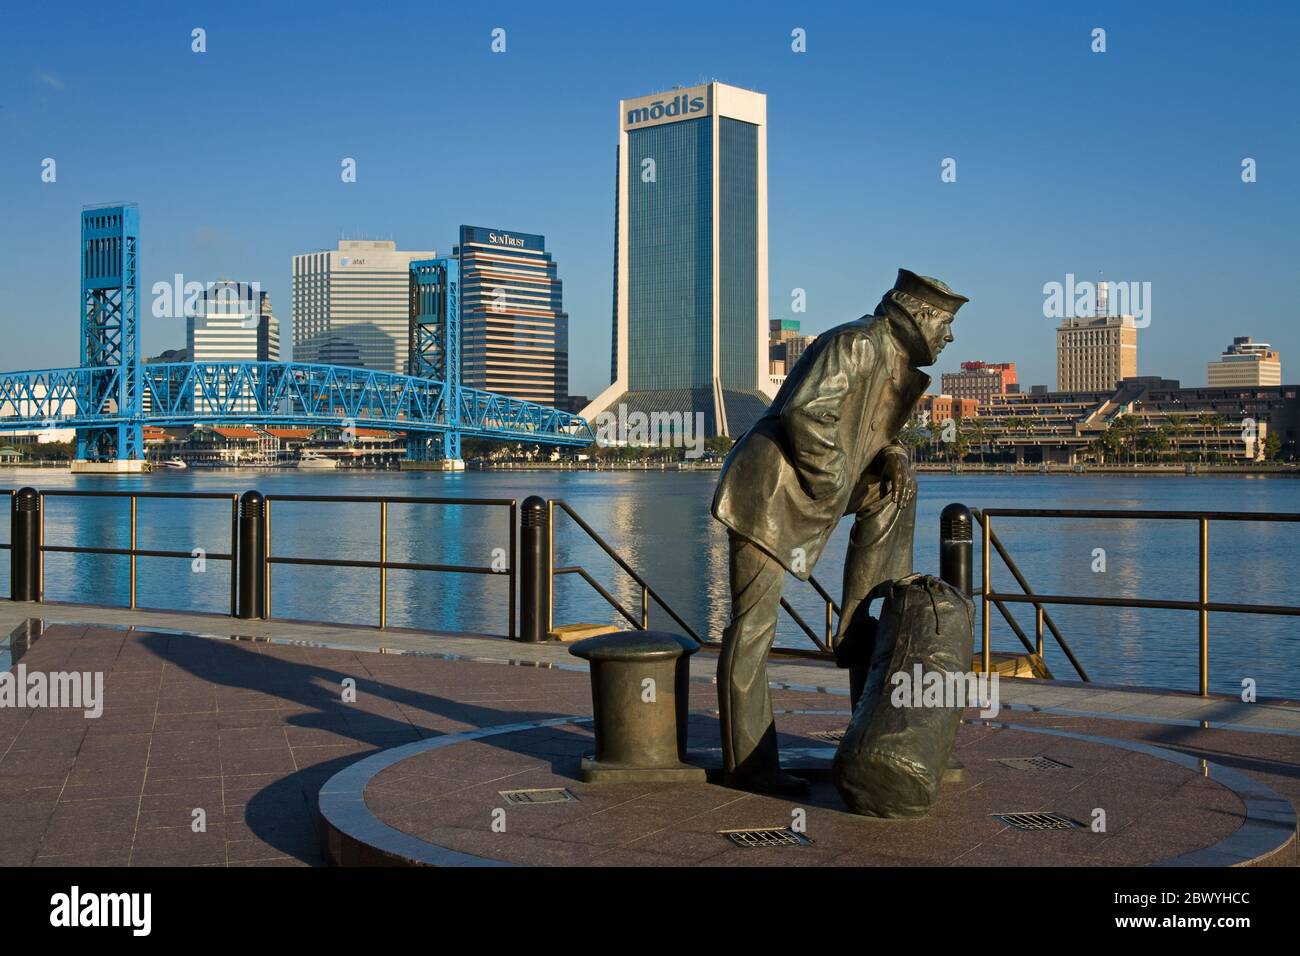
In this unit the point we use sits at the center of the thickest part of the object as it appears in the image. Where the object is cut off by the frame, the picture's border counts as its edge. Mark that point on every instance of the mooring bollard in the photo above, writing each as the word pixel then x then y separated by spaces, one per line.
pixel 640 689
pixel 956 544
pixel 25 544
pixel 252 555
pixel 534 571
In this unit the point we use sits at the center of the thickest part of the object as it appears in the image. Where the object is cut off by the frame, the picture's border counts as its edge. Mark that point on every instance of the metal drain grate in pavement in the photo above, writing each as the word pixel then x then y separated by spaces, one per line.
pixel 1036 821
pixel 1033 763
pixel 766 836
pixel 528 797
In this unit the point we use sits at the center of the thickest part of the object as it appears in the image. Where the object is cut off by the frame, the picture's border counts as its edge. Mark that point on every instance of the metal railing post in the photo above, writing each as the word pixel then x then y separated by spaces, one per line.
pixel 24 540
pixel 512 628
pixel 251 557
pixel 986 621
pixel 383 564
pixel 1204 613
pixel 534 571
pixel 956 546
pixel 265 559
pixel 234 555
pixel 133 540
pixel 550 566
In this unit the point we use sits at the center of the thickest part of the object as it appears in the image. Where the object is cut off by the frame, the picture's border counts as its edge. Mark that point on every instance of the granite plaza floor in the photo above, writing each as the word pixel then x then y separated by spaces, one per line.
pixel 246 732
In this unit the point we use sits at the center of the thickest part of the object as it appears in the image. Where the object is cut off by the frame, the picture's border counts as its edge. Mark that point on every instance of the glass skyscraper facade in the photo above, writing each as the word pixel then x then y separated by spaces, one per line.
pixel 690 283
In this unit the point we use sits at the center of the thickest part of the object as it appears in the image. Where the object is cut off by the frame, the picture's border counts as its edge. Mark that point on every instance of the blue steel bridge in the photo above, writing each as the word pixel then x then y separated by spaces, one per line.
pixel 104 398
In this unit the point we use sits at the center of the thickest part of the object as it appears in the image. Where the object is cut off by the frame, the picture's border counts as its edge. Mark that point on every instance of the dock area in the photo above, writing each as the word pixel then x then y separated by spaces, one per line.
pixel 310 744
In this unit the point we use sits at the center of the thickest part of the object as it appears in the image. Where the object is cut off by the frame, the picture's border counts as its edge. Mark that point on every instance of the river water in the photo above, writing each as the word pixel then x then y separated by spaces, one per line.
pixel 660 523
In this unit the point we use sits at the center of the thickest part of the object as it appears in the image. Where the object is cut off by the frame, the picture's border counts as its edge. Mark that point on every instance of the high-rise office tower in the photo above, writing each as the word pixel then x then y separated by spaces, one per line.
pixel 1093 354
pixel 350 305
pixel 1245 362
pixel 514 331
pixel 690 277
pixel 232 322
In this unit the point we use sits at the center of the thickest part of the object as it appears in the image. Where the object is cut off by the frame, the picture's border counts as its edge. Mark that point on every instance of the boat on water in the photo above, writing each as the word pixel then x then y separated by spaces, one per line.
pixel 314 461
pixel 174 464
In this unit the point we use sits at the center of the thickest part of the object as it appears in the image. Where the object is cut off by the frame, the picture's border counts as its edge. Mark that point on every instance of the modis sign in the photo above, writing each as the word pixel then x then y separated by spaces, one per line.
pixel 665 108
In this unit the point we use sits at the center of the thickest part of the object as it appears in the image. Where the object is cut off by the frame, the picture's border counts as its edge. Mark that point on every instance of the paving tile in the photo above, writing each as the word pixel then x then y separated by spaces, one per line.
pixel 179 846
pixel 250 732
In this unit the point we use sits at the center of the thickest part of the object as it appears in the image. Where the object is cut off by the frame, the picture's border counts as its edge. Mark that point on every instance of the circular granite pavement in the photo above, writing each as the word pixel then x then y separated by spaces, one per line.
pixel 446 801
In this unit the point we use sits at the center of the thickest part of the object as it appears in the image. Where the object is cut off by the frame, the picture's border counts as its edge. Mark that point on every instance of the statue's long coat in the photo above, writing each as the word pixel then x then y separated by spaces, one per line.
pixel 816 454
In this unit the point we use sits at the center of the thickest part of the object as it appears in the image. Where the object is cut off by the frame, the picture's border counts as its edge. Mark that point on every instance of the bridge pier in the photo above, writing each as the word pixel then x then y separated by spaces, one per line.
pixel 436 452
pixel 442 464
pixel 113 466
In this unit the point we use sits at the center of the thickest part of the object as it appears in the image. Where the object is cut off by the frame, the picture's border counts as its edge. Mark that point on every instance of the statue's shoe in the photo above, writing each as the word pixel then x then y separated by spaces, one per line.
pixel 777 783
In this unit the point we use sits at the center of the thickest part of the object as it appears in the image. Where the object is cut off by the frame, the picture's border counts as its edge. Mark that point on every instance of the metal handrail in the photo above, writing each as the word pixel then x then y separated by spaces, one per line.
pixel 8 545
pixel 383 565
pixel 1041 616
pixel 133 551
pixel 647 592
pixel 1203 605
pixel 824 647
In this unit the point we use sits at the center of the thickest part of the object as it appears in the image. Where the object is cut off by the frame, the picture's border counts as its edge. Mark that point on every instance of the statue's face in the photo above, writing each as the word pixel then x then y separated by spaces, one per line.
pixel 936 326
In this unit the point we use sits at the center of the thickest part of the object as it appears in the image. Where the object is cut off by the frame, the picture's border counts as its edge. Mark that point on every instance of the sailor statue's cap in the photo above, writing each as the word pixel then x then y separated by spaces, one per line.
pixel 928 290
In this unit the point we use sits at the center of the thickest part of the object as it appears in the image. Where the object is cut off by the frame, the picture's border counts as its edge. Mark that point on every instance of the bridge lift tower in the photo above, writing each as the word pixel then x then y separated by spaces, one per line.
pixel 110 339
pixel 434 352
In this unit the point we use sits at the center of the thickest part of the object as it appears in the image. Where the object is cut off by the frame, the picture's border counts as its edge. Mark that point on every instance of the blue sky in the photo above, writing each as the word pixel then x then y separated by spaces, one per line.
pixel 1124 164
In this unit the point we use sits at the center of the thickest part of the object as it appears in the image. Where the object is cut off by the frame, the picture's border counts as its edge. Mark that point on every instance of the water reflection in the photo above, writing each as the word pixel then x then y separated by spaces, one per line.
pixel 660 522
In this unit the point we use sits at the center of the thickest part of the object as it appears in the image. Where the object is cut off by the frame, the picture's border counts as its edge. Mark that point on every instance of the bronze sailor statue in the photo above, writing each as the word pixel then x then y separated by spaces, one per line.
pixel 827 447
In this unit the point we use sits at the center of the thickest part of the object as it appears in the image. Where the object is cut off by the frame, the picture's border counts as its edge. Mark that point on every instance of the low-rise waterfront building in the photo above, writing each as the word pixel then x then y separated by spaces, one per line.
pixel 254 445
pixel 942 408
pixel 1144 419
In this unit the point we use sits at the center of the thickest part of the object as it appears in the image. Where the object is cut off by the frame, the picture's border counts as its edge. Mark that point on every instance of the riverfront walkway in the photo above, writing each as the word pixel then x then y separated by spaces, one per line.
pixel 423 763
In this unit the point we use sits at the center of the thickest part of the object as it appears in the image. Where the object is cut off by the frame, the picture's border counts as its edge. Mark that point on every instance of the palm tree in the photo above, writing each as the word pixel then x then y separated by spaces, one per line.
pixel 961 443
pixel 913 437
pixel 1208 420
pixel 1177 430
pixel 1160 440
pixel 1113 441
pixel 1217 421
pixel 979 434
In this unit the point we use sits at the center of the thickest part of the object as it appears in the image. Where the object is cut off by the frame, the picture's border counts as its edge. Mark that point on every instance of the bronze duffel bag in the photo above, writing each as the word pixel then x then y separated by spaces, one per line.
pixel 894 753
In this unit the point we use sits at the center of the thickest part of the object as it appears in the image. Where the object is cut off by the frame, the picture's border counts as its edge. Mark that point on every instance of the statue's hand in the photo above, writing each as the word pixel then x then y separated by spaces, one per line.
pixel 899 483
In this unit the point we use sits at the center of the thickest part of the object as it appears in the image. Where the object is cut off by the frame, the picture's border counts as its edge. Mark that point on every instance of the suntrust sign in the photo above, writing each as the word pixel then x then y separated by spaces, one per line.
pixel 664 108
pixel 501 239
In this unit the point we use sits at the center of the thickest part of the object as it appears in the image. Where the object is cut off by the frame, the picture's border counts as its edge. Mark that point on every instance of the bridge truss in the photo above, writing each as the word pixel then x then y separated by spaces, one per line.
pixel 105 398
pixel 278 393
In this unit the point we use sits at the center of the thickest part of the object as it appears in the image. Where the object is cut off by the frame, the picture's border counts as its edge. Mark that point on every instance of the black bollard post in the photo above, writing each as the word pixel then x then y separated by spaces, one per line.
pixel 25 542
pixel 956 544
pixel 252 555
pixel 534 571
